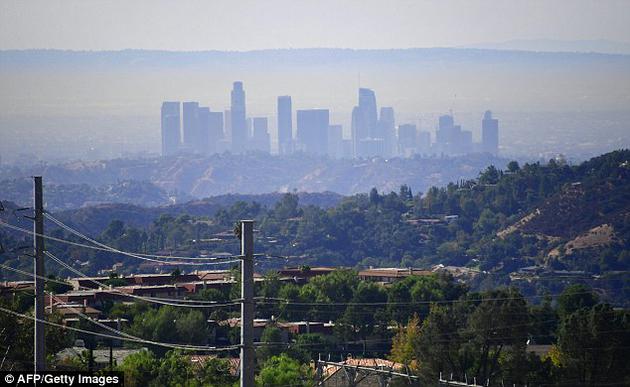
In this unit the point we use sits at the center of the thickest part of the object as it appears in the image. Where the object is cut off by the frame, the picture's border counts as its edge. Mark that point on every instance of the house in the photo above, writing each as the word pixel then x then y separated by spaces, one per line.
pixel 356 372
pixel 69 311
pixel 390 275
pixel 304 273
pixel 101 357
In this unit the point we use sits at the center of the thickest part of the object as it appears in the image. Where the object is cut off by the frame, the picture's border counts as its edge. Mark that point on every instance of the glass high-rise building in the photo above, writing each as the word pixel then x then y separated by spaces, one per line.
pixel 260 137
pixel 285 125
pixel 238 121
pixel 335 141
pixel 407 140
pixel 170 124
pixel 312 130
pixel 215 131
pixel 191 127
pixel 202 143
pixel 364 120
pixel 490 134
pixel 367 106
pixel 387 130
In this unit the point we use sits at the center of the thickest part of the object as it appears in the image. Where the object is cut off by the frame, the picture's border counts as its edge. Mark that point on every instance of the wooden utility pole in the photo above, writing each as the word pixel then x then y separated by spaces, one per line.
pixel 38 241
pixel 247 303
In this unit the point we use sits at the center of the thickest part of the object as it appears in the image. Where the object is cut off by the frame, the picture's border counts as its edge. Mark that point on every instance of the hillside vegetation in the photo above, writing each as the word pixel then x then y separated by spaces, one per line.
pixel 497 223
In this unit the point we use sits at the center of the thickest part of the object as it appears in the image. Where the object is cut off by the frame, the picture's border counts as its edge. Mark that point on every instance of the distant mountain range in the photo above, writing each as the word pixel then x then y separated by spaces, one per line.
pixel 550 45
pixel 163 181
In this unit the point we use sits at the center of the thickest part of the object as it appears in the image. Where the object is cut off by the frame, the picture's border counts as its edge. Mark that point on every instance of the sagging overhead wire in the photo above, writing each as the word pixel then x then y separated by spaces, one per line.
pixel 112 290
pixel 272 300
pixel 91 240
pixel 141 341
pixel 121 333
pixel 219 260
pixel 209 304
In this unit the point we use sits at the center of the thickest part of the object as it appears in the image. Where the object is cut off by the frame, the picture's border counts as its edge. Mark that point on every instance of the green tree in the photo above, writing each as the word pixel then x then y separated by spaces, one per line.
pixel 139 368
pixel 513 166
pixel 271 339
pixel 282 371
pixel 405 344
pixel 595 346
pixel 575 297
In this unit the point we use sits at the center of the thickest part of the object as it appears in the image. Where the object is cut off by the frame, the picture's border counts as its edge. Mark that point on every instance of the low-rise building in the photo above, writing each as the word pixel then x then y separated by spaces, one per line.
pixel 390 275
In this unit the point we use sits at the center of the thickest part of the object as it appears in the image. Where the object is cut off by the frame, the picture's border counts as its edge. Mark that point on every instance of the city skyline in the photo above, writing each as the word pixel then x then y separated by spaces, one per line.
pixel 371 134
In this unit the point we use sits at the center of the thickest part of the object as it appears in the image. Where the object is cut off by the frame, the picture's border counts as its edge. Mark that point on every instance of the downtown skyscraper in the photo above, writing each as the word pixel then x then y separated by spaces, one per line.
pixel 387 131
pixel 170 123
pixel 238 121
pixel 191 128
pixel 490 134
pixel 366 137
pixel 285 125
pixel 312 130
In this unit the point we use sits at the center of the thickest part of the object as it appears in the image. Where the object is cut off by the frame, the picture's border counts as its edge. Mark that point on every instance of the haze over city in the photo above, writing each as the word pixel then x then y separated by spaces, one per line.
pixel 103 104
pixel 315 193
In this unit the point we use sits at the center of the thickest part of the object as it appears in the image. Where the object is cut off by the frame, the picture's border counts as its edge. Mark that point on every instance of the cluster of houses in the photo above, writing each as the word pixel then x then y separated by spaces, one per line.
pixel 88 296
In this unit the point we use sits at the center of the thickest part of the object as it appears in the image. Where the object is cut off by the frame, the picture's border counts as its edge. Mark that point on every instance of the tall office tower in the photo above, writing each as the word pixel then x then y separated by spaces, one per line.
pixel 312 130
pixel 387 130
pixel 215 132
pixel 238 120
pixel 285 125
pixel 190 121
pixel 170 127
pixel 227 117
pixel 407 140
pixel 423 141
pixel 444 134
pixel 260 138
pixel 449 137
pixel 335 141
pixel 365 119
pixel 367 106
pixel 490 134
pixel 202 144
pixel 356 130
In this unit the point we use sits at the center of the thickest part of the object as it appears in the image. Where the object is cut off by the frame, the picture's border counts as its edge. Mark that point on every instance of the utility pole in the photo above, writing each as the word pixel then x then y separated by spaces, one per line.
pixel 38 239
pixel 247 303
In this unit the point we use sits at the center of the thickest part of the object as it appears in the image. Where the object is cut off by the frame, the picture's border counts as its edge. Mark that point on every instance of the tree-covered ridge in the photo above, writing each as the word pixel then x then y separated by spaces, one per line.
pixel 477 223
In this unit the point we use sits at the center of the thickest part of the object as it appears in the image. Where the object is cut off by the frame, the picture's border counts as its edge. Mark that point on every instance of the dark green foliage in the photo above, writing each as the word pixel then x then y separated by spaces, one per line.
pixel 144 369
pixel 574 298
pixel 595 346
pixel 282 371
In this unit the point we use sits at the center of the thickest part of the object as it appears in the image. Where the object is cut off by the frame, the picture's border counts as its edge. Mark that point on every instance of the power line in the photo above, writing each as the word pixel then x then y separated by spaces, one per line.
pixel 83 236
pixel 26 273
pixel 118 332
pixel 108 290
pixel 147 299
pixel 142 341
pixel 385 303
pixel 225 260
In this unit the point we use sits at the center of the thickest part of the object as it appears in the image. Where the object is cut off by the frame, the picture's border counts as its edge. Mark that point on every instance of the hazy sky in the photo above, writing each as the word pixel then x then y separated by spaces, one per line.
pixel 247 25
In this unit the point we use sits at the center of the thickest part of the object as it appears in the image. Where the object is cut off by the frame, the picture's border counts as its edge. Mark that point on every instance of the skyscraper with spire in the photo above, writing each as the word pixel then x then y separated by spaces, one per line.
pixel 364 121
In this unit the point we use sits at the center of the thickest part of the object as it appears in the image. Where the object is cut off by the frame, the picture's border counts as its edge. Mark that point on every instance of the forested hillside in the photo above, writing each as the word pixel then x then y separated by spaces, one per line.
pixel 552 216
